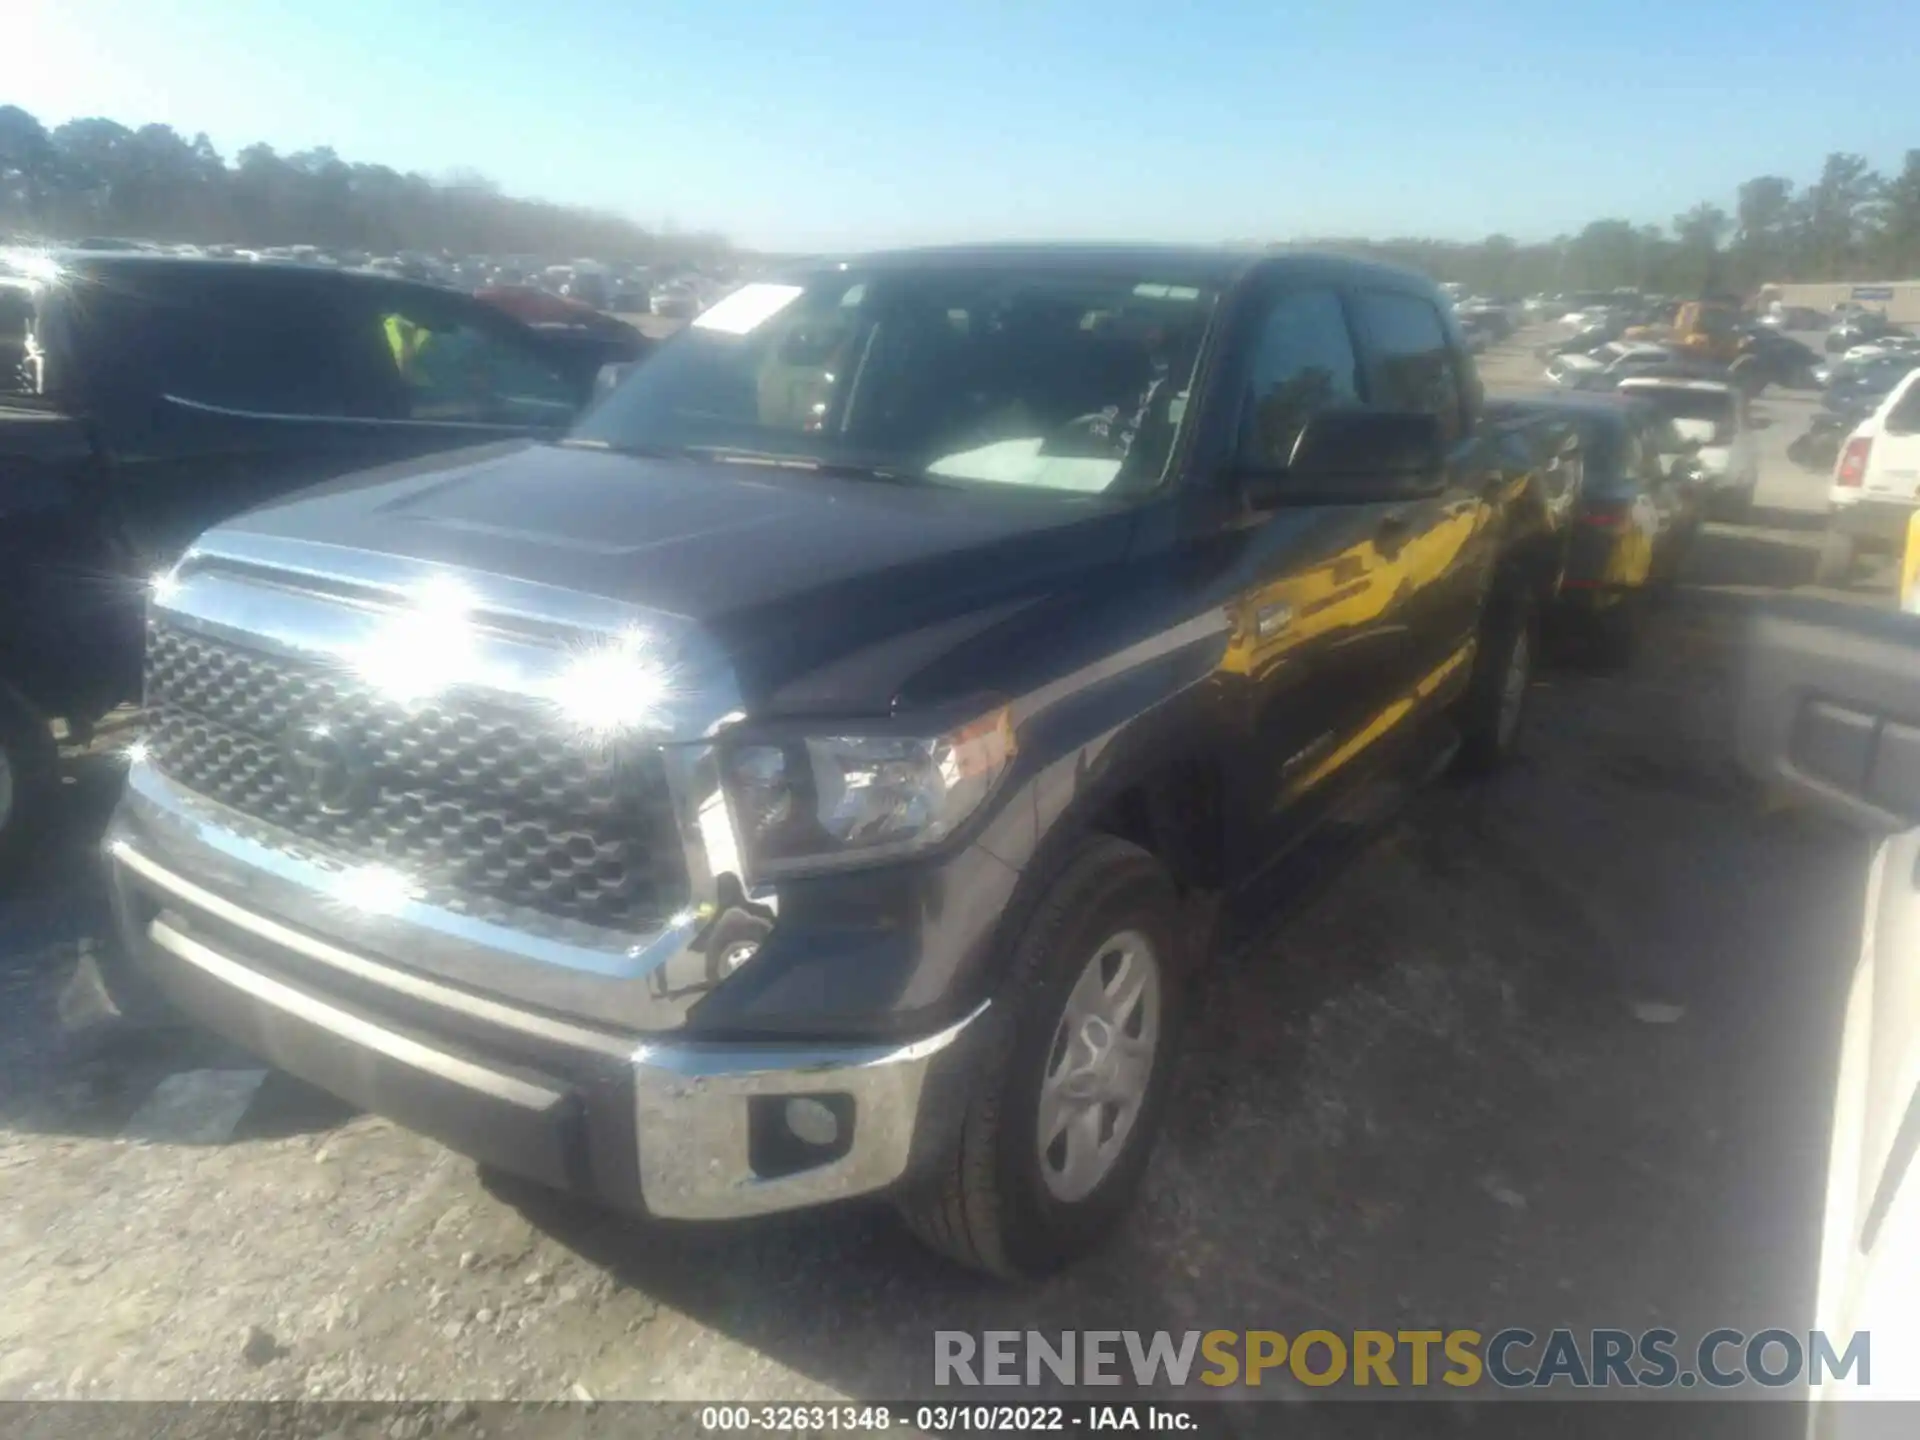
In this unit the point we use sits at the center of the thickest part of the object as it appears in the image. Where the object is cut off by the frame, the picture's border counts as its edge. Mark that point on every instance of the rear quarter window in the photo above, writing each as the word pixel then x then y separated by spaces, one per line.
pixel 1904 416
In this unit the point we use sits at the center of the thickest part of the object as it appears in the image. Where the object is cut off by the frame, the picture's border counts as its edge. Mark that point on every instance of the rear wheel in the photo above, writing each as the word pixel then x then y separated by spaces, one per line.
pixel 1074 1074
pixel 1617 630
pixel 1492 714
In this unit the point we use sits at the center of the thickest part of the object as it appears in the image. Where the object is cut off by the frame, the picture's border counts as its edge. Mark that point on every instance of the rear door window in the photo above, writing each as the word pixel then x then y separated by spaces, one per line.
pixel 1410 364
pixel 1904 416
pixel 252 347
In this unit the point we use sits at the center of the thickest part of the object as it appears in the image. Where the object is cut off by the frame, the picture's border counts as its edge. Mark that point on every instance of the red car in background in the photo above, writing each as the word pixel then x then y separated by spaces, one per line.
pixel 614 342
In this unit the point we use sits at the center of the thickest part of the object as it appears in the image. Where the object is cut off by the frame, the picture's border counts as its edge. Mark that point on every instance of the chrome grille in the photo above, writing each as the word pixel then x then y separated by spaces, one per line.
pixel 474 798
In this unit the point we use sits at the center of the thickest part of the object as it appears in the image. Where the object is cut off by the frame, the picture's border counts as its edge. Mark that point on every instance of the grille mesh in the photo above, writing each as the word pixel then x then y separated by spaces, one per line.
pixel 475 798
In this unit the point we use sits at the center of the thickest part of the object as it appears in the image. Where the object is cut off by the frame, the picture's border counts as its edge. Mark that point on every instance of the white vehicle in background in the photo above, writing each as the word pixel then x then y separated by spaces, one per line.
pixel 1606 366
pixel 1829 716
pixel 1587 316
pixel 1886 345
pixel 1713 415
pixel 1876 484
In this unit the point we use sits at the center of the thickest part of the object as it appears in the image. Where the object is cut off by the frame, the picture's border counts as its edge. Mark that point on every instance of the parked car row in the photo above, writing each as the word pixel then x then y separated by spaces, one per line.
pixel 1702 340
pixel 620 287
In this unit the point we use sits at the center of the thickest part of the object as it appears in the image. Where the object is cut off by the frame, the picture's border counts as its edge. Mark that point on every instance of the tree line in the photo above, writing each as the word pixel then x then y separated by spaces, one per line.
pixel 97 177
pixel 1851 223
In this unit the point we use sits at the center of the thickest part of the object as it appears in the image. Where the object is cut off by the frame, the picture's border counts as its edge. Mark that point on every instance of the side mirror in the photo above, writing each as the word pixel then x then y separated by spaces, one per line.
pixel 1354 456
pixel 609 377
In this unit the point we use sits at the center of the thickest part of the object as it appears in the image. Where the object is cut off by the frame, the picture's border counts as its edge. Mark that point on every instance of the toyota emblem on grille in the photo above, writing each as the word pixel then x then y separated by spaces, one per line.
pixel 326 767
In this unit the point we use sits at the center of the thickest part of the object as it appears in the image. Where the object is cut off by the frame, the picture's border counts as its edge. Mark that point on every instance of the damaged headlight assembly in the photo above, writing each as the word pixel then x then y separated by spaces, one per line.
pixel 832 799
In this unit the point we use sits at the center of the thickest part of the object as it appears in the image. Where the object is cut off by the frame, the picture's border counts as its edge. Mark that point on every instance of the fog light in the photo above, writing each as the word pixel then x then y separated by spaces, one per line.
pixel 812 1122
pixel 790 1134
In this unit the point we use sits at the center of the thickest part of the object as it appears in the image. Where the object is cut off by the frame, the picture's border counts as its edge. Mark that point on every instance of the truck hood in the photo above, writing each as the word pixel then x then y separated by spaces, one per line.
pixel 824 594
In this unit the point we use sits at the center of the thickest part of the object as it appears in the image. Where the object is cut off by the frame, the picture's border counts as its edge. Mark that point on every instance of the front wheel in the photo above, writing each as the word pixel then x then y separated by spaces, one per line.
pixel 1073 1077
pixel 1493 711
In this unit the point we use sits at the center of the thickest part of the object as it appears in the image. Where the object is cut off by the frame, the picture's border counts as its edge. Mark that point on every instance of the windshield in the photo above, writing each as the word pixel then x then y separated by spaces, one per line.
pixel 1048 380
pixel 1704 415
pixel 1882 372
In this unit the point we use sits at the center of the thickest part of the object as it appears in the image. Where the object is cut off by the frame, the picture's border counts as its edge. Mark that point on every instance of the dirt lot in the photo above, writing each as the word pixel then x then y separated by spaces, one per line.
pixel 1552 1051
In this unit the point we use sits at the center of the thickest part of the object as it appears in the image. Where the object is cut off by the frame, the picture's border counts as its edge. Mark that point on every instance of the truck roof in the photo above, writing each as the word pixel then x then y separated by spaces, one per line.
pixel 1217 265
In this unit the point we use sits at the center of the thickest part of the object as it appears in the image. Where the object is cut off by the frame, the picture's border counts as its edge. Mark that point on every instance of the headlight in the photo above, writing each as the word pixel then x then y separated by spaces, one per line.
pixel 821 802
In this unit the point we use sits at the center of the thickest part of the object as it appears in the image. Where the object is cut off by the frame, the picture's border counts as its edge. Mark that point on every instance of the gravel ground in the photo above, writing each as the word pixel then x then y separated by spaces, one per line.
pixel 1553 1050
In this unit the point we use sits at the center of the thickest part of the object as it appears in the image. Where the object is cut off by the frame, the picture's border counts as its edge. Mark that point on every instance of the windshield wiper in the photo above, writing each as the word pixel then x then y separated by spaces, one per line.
pixel 812 464
pixel 643 452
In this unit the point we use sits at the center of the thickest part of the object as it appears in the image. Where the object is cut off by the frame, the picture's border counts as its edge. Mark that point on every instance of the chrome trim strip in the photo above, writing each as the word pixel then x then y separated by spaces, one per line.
pixel 774 1069
pixel 358 966
pixel 1209 626
pixel 352 1028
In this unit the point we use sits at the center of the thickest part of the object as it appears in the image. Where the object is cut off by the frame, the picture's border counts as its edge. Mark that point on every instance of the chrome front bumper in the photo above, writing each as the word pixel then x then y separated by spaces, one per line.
pixel 665 1125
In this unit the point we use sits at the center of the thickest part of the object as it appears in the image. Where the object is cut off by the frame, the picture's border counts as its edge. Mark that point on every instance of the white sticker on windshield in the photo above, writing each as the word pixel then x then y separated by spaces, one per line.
pixel 747 308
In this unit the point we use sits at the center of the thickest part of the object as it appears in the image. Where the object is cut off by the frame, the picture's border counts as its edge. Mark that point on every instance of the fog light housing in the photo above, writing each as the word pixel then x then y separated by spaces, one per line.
pixel 787 1134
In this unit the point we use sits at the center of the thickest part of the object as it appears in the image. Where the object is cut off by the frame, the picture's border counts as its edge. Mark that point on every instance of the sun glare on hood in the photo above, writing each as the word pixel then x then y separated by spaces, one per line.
pixel 425 647
pixel 614 687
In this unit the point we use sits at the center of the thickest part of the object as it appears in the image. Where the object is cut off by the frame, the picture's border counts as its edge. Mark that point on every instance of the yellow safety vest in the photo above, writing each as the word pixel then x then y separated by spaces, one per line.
pixel 407 341
pixel 1910 568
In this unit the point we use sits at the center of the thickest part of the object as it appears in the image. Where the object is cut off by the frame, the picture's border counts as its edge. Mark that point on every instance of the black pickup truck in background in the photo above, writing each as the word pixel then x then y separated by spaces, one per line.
pixel 822 772
pixel 145 397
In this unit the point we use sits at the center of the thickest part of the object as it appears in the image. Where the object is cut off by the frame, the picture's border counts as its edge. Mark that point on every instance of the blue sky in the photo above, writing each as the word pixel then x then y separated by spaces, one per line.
pixel 793 124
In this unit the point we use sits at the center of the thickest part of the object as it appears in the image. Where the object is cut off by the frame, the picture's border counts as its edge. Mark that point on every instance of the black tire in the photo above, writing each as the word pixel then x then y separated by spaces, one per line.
pixel 988 1205
pixel 29 783
pixel 1489 732
pixel 1617 630
pixel 1800 451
